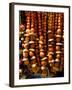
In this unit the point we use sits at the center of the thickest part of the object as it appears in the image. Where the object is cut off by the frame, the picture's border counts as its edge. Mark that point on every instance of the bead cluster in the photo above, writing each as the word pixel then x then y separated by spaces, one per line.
pixel 41 44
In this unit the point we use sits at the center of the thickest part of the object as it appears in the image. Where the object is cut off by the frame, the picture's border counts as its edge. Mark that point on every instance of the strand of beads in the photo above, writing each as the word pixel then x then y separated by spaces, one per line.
pixel 21 39
pixel 51 41
pixel 44 71
pixel 26 36
pixel 32 42
pixel 25 44
pixel 40 36
pixel 62 48
pixel 58 43
pixel 37 39
pixel 44 32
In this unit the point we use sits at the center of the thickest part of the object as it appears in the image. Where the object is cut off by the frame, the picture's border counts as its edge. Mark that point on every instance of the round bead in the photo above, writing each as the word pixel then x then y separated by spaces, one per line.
pixel 31 53
pixel 58 56
pixel 42 54
pixel 57 48
pixel 50 57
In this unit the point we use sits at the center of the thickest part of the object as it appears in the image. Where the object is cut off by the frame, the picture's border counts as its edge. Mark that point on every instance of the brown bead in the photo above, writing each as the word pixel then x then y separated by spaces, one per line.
pixel 39 27
pixel 55 69
pixel 28 21
pixel 50 35
pixel 31 53
pixel 51 43
pixel 59 24
pixel 56 14
pixel 28 27
pixel 55 20
pixel 39 24
pixel 22 27
pixel 44 30
pixel 44 74
pixel 51 64
pixel 58 39
pixel 57 48
pixel 51 49
pixel 27 31
pixel 40 33
pixel 32 46
pixel 59 31
pixel 42 54
pixel 32 30
pixel 25 54
pixel 59 27
pixel 53 26
pixel 33 61
pixel 44 41
pixel 32 25
pixel 57 64
pixel 25 46
pixel 58 56
pixel 40 46
pixel 43 63
pixel 37 51
pixel 50 57
pixel 28 24
pixel 28 18
pixel 26 62
pixel 35 69
pixel 26 38
pixel 41 38
pixel 49 25
pixel 59 20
